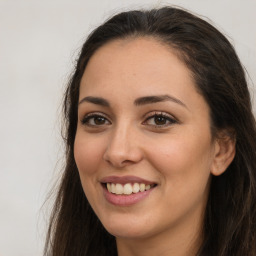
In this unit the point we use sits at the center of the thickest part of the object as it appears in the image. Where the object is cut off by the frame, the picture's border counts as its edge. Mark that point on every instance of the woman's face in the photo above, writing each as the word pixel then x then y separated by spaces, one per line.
pixel 143 144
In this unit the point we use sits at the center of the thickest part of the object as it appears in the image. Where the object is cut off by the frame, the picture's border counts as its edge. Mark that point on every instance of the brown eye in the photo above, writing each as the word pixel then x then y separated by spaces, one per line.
pixel 98 120
pixel 95 120
pixel 160 120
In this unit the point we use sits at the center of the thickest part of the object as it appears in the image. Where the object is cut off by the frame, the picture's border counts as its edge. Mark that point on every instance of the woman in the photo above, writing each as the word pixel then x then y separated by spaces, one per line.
pixel 160 143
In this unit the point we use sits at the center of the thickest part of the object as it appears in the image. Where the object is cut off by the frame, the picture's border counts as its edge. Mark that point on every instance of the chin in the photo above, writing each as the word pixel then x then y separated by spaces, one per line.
pixel 129 233
pixel 125 228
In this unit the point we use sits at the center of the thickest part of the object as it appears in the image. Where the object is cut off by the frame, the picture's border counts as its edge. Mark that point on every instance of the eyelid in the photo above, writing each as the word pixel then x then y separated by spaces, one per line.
pixel 172 120
pixel 95 114
pixel 159 113
pixel 168 116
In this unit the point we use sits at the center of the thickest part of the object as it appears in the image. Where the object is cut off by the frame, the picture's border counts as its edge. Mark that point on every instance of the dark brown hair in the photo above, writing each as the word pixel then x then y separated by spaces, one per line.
pixel 230 216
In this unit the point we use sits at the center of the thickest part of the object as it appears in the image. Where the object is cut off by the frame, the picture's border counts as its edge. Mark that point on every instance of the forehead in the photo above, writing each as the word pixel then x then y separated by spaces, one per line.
pixel 131 60
pixel 137 67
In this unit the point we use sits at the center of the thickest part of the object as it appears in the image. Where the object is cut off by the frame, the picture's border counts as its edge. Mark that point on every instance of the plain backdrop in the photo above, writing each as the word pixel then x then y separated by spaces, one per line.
pixel 39 43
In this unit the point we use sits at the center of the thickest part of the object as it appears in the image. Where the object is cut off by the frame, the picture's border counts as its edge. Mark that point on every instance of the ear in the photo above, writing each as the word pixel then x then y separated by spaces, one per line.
pixel 225 150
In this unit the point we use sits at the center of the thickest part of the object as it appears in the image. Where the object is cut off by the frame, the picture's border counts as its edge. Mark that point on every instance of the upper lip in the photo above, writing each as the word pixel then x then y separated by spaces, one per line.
pixel 125 179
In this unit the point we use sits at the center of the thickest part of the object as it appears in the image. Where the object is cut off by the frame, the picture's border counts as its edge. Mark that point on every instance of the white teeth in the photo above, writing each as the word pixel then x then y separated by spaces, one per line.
pixel 142 187
pixel 113 188
pixel 127 188
pixel 136 188
pixel 119 189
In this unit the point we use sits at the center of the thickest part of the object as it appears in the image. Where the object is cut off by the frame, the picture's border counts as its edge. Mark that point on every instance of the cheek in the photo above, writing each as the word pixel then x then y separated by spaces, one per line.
pixel 184 168
pixel 87 153
pixel 182 159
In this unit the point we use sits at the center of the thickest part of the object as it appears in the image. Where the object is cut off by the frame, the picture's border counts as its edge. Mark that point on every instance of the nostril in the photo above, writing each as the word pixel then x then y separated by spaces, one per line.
pixel 122 151
pixel 122 160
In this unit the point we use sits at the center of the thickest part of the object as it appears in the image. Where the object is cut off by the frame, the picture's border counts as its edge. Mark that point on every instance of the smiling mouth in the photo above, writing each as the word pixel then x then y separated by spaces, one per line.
pixel 128 188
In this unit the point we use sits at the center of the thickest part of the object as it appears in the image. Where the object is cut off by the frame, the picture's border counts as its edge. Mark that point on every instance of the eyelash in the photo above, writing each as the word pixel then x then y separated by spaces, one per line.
pixel 166 117
pixel 92 116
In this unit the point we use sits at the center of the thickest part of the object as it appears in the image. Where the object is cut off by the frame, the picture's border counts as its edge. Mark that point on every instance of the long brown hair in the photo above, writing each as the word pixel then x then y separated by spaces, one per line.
pixel 230 216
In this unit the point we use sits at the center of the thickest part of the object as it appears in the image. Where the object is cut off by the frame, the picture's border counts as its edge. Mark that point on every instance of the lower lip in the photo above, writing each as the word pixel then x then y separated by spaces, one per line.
pixel 125 200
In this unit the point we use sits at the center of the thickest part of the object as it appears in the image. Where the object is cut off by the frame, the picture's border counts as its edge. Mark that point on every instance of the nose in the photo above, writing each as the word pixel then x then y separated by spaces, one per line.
pixel 123 147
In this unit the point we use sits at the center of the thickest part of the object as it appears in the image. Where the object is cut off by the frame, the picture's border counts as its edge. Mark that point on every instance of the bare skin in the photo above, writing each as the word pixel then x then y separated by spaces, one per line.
pixel 165 139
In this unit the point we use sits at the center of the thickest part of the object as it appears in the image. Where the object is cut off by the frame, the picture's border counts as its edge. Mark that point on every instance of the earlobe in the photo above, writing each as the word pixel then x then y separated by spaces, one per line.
pixel 225 150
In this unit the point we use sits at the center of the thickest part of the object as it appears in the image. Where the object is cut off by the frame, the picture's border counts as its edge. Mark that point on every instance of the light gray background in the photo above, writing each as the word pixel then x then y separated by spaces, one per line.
pixel 39 41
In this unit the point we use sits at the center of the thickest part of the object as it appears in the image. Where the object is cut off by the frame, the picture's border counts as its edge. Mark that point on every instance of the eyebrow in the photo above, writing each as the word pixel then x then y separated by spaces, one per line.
pixel 138 102
pixel 158 98
pixel 95 100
